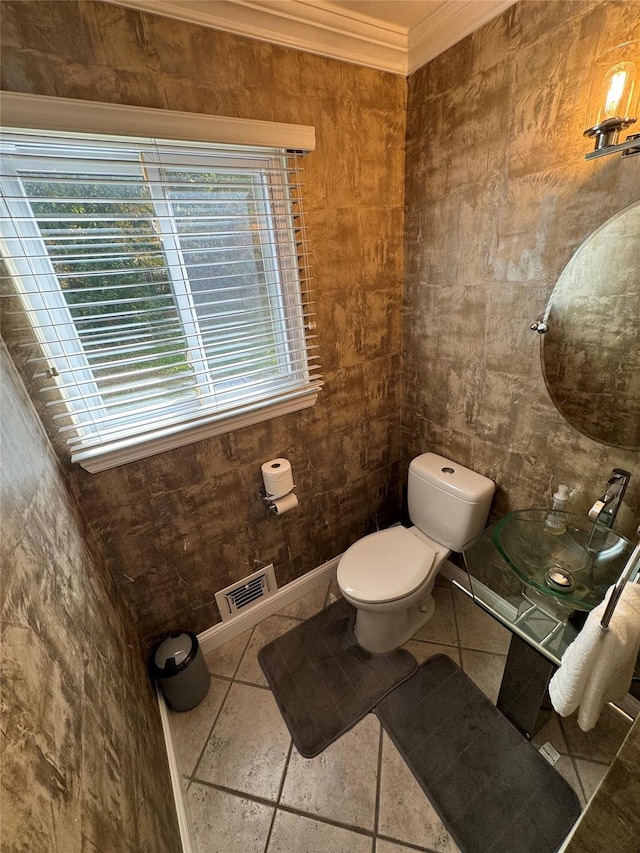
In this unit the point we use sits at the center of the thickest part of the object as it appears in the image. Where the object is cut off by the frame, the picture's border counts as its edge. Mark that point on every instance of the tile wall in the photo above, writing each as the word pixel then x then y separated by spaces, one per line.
pixel 498 198
pixel 180 526
pixel 80 723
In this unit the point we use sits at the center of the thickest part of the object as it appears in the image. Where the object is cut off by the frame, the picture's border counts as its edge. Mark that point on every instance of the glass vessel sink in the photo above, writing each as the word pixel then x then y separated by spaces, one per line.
pixel 575 568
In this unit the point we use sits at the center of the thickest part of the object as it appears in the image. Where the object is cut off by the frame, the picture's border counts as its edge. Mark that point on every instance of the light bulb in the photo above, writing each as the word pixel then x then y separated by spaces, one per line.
pixel 617 86
pixel 614 95
pixel 611 104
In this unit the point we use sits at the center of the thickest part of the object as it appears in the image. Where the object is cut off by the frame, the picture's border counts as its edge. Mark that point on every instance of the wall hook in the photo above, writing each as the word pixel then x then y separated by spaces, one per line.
pixel 539 325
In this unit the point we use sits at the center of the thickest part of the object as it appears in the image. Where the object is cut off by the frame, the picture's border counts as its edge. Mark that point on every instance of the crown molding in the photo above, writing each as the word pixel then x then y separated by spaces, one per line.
pixel 447 24
pixel 312 27
pixel 321 28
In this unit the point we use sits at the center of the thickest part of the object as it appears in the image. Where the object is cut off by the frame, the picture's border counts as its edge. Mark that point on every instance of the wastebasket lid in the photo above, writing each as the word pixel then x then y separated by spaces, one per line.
pixel 175 653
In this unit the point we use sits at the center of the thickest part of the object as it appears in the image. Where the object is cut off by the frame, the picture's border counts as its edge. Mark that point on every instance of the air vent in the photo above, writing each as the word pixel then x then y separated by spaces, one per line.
pixel 246 593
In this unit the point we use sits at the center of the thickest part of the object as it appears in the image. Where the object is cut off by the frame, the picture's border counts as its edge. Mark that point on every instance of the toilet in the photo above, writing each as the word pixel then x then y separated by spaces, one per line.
pixel 389 576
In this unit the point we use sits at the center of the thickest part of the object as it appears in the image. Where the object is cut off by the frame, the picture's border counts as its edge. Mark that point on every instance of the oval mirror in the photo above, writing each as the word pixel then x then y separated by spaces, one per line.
pixel 591 352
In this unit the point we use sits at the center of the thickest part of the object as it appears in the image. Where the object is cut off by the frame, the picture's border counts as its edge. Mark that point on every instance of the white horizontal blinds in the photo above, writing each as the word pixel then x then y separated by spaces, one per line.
pixel 177 268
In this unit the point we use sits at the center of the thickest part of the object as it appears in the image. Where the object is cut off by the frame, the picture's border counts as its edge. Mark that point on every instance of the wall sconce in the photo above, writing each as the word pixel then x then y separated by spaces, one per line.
pixel 611 105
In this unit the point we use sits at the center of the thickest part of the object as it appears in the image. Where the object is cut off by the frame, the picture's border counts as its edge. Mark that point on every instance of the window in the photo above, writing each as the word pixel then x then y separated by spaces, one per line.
pixel 165 282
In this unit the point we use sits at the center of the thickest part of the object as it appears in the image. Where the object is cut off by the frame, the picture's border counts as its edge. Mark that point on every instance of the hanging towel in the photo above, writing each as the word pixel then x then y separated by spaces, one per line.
pixel 598 665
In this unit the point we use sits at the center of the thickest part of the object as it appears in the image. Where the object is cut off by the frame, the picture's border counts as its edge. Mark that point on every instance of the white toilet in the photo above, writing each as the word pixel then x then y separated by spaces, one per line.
pixel 388 576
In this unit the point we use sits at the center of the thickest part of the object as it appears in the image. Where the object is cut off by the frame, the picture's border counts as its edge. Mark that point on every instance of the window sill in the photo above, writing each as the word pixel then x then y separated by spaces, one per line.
pixel 97 459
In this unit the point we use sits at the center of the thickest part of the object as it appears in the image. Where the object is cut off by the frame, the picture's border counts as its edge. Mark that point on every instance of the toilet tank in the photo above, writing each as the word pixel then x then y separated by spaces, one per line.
pixel 447 502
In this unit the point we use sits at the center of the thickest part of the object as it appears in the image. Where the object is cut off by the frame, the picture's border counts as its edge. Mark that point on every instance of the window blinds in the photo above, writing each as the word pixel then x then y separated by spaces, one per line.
pixel 166 282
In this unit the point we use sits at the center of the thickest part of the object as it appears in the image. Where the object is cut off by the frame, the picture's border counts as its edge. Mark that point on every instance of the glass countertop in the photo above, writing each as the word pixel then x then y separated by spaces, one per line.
pixel 548 622
pixel 521 609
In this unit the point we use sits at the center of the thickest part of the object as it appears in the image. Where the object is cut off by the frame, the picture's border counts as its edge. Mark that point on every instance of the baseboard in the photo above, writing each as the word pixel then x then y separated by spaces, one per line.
pixel 221 633
pixel 176 778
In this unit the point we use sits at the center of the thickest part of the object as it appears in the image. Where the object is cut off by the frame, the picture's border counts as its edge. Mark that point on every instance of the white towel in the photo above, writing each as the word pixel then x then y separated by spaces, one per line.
pixel 598 665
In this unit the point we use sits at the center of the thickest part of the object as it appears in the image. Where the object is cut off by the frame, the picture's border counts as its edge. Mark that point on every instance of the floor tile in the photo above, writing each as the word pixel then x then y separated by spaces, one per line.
pixel 485 670
pixel 566 768
pixel 442 581
pixel 383 846
pixel 406 814
pixel 591 774
pixel 307 605
pixel 304 835
pixel 602 742
pixel 247 750
pixel 334 590
pixel 340 783
pixel 441 628
pixel 263 633
pixel 551 733
pixel 248 747
pixel 225 823
pixel 190 729
pixel 423 651
pixel 476 629
pixel 225 659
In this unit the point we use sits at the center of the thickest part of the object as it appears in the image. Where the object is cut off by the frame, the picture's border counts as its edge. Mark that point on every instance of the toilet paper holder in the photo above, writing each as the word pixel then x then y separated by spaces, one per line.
pixel 271 499
pixel 277 486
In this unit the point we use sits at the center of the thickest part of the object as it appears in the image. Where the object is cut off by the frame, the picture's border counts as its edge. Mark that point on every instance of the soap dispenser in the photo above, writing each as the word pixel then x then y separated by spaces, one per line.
pixel 555 523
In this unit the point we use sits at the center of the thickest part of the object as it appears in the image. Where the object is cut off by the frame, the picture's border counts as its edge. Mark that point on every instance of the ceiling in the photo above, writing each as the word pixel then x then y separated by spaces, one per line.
pixel 391 35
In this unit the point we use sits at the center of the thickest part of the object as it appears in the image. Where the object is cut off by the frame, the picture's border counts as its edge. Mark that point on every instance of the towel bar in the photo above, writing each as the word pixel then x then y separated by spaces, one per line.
pixel 632 563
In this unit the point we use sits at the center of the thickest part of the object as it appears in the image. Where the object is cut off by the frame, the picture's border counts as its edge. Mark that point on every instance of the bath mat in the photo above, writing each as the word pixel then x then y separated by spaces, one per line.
pixel 323 681
pixel 490 786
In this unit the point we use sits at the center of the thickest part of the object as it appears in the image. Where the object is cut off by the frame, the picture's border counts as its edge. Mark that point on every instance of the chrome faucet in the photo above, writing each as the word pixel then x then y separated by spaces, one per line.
pixel 606 508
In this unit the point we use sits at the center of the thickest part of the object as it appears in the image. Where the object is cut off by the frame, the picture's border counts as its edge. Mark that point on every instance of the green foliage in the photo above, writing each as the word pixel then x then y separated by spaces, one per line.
pixel 109 250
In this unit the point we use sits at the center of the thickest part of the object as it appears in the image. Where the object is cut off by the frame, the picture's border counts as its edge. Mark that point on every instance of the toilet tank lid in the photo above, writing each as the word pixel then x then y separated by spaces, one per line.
pixel 452 478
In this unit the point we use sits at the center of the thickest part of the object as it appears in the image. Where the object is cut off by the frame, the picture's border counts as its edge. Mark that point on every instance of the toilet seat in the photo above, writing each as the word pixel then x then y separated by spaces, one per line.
pixel 385 566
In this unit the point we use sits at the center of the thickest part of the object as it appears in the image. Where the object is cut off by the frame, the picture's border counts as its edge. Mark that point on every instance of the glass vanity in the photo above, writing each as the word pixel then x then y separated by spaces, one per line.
pixel 568 571
pixel 541 587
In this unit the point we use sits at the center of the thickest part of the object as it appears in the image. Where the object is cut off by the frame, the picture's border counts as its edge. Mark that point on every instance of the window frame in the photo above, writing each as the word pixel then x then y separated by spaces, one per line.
pixel 35 113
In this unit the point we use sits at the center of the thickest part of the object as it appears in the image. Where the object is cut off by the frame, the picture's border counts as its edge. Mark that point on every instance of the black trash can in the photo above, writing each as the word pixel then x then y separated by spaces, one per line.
pixel 178 665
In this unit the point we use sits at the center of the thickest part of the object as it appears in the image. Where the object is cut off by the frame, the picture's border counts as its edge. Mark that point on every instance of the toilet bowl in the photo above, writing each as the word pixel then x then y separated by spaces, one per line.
pixel 391 604
pixel 389 575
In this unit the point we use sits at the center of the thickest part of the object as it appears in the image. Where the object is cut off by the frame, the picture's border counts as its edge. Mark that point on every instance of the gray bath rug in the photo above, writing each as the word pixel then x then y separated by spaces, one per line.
pixel 490 786
pixel 323 681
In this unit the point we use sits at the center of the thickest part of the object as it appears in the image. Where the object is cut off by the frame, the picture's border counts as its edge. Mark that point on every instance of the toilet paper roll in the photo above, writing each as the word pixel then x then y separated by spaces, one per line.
pixel 284 504
pixel 278 478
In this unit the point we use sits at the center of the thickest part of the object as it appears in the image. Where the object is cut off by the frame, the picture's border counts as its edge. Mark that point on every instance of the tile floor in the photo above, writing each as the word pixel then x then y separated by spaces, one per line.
pixel 247 789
